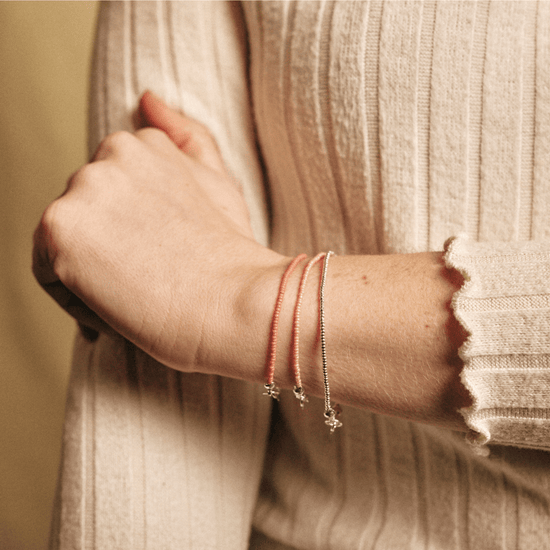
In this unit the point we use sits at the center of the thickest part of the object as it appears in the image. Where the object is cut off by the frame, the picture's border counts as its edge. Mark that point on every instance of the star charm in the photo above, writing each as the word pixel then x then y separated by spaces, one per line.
pixel 272 391
pixel 331 421
pixel 299 393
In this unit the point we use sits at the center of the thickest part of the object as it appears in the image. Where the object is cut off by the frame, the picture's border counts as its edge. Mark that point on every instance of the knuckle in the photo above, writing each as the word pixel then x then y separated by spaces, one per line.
pixel 84 178
pixel 114 144
pixel 202 134
pixel 150 134
pixel 199 142
pixel 153 138
pixel 50 217
pixel 120 139
pixel 81 176
pixel 56 239
pixel 53 223
pixel 49 237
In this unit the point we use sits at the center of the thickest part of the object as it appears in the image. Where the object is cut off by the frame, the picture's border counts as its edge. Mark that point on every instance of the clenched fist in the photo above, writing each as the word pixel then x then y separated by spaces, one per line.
pixel 152 240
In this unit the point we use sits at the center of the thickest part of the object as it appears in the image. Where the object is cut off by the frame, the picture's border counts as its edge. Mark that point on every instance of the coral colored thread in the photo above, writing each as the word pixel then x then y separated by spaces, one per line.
pixel 272 345
pixel 295 346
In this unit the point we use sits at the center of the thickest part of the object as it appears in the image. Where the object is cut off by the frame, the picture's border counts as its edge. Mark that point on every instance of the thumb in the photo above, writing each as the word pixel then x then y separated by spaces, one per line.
pixel 191 137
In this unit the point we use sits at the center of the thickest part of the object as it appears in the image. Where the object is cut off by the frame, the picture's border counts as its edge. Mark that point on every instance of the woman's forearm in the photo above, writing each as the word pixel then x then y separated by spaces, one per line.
pixel 152 240
pixel 392 341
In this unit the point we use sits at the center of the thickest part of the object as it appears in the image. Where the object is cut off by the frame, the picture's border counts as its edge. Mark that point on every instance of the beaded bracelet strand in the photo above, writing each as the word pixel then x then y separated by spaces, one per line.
pixel 295 346
pixel 271 389
pixel 331 413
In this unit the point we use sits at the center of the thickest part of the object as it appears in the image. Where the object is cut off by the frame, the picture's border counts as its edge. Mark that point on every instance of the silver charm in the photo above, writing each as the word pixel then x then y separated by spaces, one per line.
pixel 300 395
pixel 332 421
pixel 272 390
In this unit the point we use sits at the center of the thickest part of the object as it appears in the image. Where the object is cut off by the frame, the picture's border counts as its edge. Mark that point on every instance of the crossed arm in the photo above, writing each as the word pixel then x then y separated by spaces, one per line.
pixel 152 240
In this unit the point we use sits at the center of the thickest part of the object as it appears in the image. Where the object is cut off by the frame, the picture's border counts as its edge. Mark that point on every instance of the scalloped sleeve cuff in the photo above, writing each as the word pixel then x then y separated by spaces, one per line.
pixel 504 305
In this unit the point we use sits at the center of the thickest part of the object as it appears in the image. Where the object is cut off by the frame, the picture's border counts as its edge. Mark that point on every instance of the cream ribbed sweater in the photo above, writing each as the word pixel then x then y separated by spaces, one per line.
pixel 383 127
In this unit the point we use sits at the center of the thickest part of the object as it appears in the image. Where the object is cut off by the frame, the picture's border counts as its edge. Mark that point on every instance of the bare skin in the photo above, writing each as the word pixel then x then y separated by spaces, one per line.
pixel 152 240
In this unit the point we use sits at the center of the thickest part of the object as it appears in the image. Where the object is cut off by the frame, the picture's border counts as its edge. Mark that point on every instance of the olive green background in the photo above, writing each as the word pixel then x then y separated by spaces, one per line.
pixel 45 50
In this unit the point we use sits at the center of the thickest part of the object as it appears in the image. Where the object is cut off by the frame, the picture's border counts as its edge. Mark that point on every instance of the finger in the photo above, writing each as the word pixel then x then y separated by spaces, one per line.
pixel 88 320
pixel 41 262
pixel 114 145
pixel 89 334
pixel 190 136
pixel 43 270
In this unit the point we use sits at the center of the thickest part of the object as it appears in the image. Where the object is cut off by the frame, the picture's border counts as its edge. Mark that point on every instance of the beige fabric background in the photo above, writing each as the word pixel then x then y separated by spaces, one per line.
pixel 44 63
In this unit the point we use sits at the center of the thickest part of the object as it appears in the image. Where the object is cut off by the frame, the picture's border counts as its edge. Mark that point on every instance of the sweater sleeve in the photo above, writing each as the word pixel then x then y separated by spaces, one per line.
pixel 504 305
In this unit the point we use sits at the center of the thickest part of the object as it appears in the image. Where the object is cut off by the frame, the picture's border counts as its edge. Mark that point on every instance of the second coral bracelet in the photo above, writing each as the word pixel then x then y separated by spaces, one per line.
pixel 271 389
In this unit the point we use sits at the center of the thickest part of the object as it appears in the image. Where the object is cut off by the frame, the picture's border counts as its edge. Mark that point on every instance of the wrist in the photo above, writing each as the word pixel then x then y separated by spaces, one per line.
pixel 240 325
pixel 252 327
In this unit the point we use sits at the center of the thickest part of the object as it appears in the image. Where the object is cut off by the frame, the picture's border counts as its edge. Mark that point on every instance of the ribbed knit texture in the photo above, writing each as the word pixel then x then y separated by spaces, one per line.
pixel 507 365
pixel 153 458
pixel 384 127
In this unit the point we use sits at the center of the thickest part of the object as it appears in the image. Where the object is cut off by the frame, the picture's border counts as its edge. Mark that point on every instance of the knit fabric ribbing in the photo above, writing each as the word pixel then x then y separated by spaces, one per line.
pixel 389 127
pixel 505 309
pixel 383 127
pixel 154 458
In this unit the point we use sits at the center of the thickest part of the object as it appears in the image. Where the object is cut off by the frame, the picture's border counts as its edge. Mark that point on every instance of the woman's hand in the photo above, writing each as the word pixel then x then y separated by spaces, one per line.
pixel 151 239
